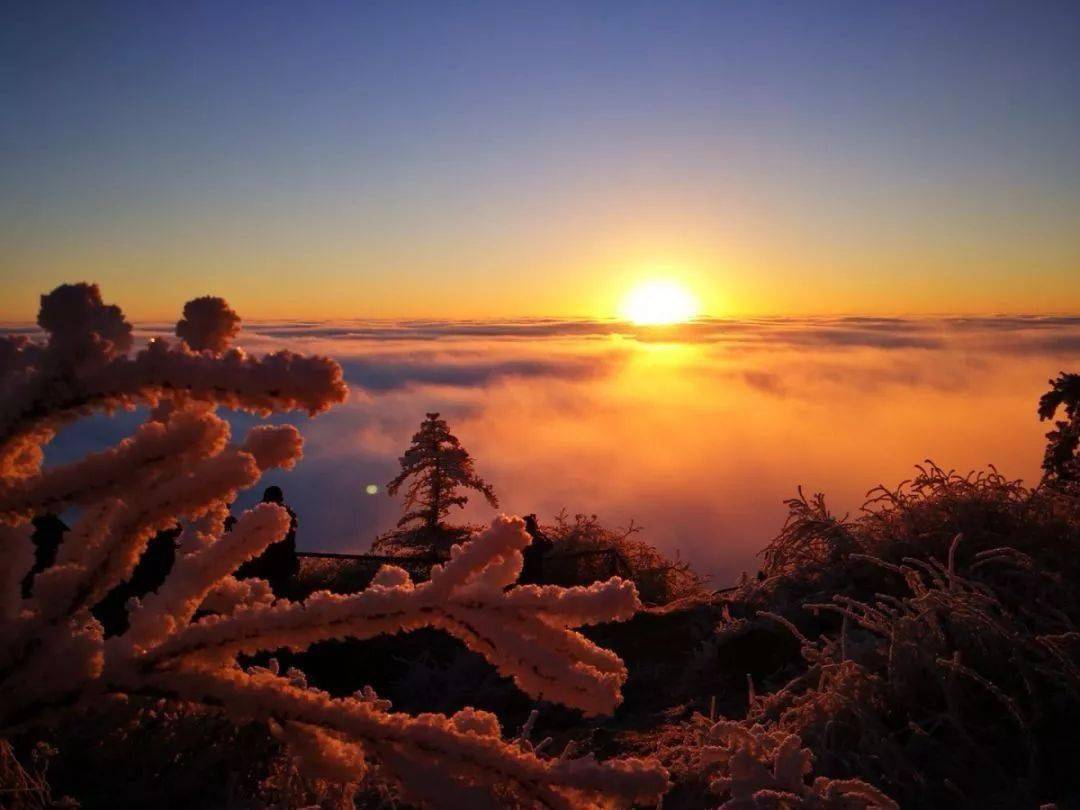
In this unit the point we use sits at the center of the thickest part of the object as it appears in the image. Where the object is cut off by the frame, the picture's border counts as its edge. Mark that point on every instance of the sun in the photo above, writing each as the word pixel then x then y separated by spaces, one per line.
pixel 660 302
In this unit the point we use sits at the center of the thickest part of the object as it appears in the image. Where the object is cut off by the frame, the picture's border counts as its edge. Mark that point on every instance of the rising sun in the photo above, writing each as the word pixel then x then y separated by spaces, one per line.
pixel 660 302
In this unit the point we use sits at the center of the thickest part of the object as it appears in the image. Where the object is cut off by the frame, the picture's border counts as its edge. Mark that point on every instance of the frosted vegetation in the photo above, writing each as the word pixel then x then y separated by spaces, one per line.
pixel 924 653
pixel 185 640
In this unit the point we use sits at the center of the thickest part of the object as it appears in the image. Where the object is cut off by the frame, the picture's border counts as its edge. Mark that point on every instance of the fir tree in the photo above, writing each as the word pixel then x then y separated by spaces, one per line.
pixel 439 468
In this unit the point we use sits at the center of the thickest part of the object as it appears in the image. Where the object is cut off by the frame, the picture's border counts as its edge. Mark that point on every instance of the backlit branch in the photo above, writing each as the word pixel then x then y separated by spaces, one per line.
pixel 183 640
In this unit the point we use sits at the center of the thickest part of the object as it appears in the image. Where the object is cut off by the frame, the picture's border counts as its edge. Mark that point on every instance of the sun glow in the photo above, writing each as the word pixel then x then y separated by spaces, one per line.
pixel 660 302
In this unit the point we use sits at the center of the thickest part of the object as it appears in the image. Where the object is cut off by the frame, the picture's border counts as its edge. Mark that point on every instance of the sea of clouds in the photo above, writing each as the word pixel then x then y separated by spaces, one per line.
pixel 698 432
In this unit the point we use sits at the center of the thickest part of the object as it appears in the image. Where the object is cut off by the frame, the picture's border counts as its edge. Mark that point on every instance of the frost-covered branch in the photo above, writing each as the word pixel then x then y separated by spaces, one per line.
pixel 183 640
pixel 84 366
pixel 461 752
pixel 524 632
pixel 188 436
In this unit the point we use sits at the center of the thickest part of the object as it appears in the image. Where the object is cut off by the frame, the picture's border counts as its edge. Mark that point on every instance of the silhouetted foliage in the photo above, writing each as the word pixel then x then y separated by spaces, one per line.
pixel 1061 463
pixel 579 541
pixel 811 536
pixel 439 467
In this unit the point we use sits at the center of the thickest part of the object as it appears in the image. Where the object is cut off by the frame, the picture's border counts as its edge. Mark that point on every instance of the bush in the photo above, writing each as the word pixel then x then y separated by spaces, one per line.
pixel 659 581
pixel 939 637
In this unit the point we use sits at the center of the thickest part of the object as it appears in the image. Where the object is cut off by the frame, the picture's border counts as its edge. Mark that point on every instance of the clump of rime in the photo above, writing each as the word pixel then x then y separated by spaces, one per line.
pixel 181 465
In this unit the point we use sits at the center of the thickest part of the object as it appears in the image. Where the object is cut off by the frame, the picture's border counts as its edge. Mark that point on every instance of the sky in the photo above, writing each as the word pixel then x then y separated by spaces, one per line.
pixel 478 160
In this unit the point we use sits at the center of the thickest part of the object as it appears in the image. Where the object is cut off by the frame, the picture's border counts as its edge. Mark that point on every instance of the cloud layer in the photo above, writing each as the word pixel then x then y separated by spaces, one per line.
pixel 697 431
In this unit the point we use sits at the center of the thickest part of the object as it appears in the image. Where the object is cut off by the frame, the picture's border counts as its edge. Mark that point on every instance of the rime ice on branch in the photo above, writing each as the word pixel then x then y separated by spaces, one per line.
pixel 208 323
pixel 181 466
pixel 84 366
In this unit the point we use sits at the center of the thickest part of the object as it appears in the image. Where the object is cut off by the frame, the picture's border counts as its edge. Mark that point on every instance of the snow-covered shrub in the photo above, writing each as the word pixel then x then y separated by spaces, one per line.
pixel 181 466
pixel 658 579
pixel 751 767
pixel 919 517
pixel 810 538
pixel 939 632
pixel 956 673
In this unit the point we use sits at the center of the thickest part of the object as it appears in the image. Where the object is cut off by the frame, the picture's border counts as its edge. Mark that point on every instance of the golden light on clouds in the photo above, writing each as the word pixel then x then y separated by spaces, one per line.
pixel 660 302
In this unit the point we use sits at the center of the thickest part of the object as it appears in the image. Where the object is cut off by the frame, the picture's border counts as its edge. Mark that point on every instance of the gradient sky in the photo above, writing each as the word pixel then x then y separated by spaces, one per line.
pixel 476 159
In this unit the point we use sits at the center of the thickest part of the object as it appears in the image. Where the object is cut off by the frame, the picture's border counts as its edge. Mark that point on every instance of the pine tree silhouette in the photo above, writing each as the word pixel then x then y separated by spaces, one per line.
pixel 439 467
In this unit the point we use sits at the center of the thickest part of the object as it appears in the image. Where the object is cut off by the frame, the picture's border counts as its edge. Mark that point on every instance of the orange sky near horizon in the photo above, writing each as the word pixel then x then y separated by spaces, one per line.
pixel 595 289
